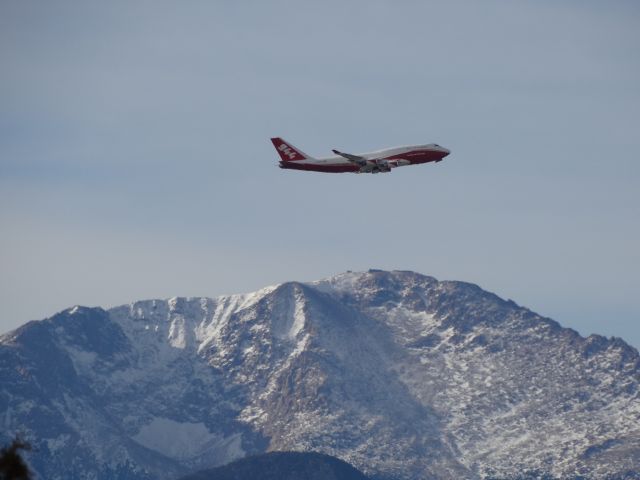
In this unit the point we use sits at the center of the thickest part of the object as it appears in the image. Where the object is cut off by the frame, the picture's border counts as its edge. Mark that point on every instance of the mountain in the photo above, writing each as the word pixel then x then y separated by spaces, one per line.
pixel 398 374
pixel 282 466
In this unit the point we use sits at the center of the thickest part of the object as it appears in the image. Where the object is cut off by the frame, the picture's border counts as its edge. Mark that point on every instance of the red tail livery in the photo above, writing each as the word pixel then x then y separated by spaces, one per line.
pixel 288 153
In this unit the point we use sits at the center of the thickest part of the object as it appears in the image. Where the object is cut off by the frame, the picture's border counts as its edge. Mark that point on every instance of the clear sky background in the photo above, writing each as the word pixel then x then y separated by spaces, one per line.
pixel 135 159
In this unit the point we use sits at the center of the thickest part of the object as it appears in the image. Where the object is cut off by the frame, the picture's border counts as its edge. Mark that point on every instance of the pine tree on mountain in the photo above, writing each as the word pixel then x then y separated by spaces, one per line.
pixel 12 466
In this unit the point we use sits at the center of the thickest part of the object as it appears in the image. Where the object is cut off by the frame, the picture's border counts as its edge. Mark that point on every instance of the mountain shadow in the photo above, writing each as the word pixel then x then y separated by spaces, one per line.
pixel 283 466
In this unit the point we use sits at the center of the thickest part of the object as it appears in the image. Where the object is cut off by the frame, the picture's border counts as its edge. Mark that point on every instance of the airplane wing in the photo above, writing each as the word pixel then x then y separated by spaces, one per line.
pixel 352 158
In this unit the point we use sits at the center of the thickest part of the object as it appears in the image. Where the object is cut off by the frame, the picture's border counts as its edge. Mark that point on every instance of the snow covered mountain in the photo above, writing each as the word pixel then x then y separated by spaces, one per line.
pixel 398 374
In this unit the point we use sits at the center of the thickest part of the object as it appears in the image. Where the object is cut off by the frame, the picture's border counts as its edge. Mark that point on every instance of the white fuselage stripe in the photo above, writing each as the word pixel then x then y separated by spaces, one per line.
pixel 380 154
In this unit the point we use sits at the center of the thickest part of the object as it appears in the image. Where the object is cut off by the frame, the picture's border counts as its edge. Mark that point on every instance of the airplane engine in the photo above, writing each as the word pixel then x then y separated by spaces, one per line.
pixel 381 169
pixel 384 165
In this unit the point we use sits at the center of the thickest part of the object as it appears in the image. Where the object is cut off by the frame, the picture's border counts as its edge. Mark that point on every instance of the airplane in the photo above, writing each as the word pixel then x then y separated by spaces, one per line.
pixel 374 162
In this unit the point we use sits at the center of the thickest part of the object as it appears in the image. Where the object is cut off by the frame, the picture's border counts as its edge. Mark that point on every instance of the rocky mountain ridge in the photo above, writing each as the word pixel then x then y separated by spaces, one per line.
pixel 398 374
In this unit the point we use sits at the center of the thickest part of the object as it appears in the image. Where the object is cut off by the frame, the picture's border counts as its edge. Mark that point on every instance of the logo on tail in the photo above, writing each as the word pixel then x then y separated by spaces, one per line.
pixel 287 152
pixel 284 148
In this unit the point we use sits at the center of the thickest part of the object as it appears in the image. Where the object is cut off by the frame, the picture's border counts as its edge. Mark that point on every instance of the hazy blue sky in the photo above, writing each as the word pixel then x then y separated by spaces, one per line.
pixel 135 159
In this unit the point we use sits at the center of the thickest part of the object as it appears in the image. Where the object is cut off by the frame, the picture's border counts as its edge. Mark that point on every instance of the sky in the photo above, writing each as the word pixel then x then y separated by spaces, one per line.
pixel 135 159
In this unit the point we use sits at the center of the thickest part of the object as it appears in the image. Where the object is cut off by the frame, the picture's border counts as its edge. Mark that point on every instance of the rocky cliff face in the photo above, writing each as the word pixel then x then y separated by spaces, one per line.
pixel 396 373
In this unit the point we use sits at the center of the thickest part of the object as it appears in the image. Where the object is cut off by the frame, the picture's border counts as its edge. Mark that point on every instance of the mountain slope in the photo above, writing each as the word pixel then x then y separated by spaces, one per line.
pixel 396 373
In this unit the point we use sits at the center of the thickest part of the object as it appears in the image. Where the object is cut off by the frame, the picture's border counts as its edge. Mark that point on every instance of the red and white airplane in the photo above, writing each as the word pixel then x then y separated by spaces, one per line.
pixel 374 162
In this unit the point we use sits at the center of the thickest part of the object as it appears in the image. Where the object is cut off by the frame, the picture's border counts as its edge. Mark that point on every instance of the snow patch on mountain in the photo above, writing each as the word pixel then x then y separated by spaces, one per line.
pixel 183 440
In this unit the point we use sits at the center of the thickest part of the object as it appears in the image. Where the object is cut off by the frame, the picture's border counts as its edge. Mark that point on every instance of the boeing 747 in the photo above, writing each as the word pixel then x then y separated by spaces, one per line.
pixel 373 162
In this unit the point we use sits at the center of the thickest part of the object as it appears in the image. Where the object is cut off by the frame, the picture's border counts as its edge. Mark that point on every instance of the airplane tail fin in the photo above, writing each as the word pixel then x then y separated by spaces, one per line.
pixel 287 152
